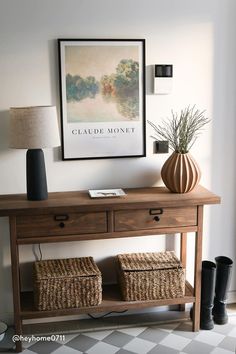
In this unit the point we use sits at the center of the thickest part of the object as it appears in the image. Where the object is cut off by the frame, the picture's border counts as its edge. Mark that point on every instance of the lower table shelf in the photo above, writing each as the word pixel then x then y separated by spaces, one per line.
pixel 112 301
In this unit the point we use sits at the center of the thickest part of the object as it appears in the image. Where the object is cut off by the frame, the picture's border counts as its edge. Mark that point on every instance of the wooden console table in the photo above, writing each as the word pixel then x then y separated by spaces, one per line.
pixel 74 216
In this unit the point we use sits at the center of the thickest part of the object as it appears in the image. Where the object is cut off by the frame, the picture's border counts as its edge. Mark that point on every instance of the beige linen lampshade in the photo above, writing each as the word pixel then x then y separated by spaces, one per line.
pixel 34 128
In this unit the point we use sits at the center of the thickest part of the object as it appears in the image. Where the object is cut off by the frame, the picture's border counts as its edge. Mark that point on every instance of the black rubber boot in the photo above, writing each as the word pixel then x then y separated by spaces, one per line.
pixel 207 294
pixel 223 276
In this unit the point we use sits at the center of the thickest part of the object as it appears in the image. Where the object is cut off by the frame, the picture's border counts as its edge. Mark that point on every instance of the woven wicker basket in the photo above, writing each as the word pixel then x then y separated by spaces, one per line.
pixel 66 283
pixel 151 276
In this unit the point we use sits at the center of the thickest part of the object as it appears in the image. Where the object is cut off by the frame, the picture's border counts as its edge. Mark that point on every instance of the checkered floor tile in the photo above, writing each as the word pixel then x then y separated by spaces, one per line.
pixel 169 338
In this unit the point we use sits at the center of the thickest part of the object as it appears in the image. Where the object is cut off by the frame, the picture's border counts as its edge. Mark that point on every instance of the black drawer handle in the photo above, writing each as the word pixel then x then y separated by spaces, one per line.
pixel 156 211
pixel 156 218
pixel 61 217
pixel 62 224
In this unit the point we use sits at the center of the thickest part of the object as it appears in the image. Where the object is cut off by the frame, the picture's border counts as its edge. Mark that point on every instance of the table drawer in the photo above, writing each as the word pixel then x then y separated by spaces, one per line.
pixel 144 219
pixel 61 224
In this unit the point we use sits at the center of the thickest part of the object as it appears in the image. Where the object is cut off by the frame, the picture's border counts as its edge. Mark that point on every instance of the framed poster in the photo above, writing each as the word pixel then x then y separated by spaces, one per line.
pixel 102 86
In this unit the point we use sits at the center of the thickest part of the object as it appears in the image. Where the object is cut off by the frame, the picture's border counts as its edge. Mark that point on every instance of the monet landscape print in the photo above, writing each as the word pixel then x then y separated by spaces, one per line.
pixel 102 83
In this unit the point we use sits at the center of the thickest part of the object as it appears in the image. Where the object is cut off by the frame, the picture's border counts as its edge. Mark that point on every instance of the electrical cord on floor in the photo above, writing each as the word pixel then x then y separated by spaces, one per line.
pixel 106 314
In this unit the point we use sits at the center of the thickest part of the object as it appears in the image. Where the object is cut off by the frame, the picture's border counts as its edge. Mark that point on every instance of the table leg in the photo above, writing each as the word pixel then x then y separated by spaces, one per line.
pixel 183 247
pixel 15 281
pixel 197 271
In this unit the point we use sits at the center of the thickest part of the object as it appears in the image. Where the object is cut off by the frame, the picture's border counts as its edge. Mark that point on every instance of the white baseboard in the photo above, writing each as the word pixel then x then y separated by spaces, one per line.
pixel 7 317
pixel 232 297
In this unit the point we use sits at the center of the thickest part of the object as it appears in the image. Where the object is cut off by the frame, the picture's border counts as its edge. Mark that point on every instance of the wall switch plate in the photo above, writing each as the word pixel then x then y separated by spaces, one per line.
pixel 163 79
pixel 161 147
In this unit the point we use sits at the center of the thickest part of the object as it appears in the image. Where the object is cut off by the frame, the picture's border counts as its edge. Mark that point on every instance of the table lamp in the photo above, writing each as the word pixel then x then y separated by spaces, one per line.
pixel 34 128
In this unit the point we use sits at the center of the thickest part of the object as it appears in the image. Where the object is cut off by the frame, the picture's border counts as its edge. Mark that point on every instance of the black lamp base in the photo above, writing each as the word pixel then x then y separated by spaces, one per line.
pixel 36 175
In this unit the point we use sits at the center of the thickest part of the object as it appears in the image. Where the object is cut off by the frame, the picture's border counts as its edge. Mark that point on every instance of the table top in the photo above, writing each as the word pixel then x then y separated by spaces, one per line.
pixel 17 204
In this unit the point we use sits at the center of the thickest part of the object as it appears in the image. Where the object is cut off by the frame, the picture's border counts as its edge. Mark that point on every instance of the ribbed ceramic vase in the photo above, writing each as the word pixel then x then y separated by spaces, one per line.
pixel 180 173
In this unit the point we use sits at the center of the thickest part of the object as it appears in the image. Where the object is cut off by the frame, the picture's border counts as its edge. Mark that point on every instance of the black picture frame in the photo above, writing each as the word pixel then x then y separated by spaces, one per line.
pixel 102 98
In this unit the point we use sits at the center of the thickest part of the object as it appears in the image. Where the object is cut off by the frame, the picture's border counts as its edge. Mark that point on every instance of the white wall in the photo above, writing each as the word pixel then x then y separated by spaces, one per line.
pixel 198 37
